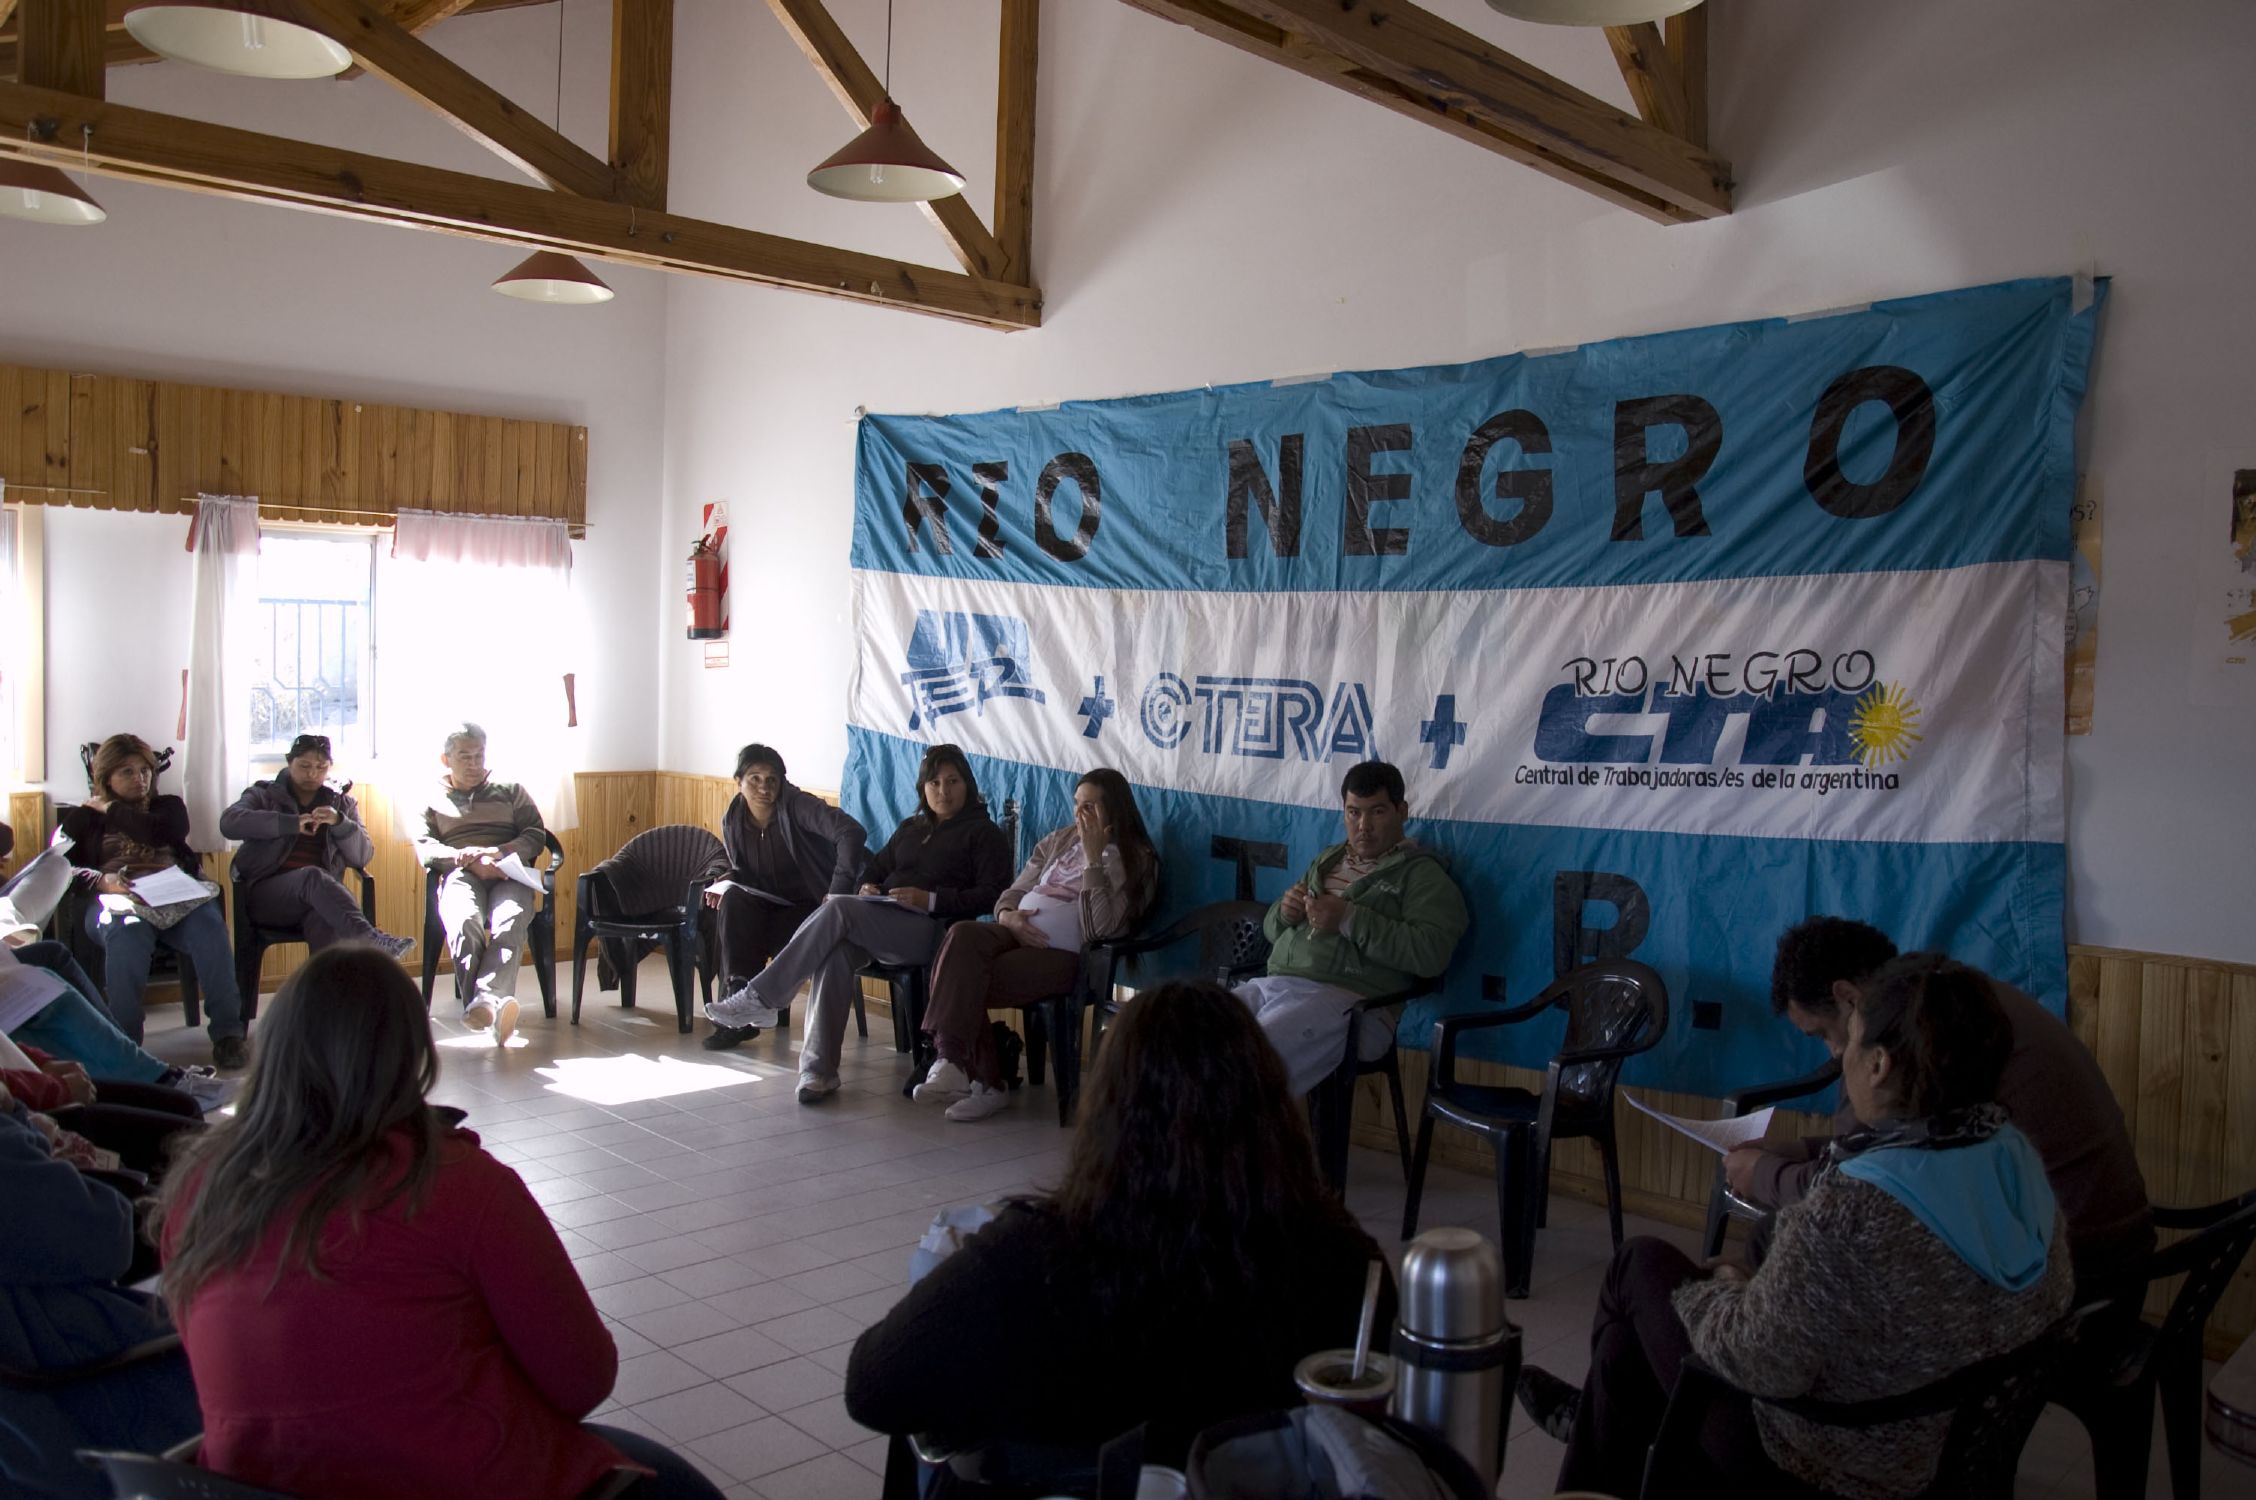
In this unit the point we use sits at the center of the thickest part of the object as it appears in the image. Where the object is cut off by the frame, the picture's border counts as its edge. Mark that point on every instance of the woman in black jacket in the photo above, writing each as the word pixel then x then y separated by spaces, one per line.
pixel 947 861
pixel 787 849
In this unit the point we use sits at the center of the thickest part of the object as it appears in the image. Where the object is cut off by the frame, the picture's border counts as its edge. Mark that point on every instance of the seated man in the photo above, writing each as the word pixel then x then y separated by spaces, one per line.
pixel 299 837
pixel 470 824
pixel 2052 1088
pixel 1373 915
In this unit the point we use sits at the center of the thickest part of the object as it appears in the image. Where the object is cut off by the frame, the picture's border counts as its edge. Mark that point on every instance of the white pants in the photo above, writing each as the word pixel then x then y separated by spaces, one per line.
pixel 1306 1020
pixel 485 923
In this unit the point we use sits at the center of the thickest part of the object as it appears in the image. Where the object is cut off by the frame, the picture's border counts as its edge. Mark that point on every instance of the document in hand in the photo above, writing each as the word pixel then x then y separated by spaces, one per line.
pixel 516 869
pixel 753 891
pixel 24 991
pixel 169 886
pixel 1718 1136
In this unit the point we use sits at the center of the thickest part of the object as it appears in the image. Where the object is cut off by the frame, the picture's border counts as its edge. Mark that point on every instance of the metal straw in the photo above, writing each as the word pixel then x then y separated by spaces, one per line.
pixel 1370 1315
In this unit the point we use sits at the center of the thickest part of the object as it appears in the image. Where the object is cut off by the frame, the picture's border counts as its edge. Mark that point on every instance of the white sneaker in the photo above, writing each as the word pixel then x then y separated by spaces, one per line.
pixel 505 1021
pixel 210 1093
pixel 981 1102
pixel 478 1015
pixel 816 1087
pixel 946 1082
pixel 742 1009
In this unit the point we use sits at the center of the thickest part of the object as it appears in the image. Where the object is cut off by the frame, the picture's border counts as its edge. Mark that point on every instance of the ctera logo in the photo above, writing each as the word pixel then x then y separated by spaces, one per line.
pixel 958 661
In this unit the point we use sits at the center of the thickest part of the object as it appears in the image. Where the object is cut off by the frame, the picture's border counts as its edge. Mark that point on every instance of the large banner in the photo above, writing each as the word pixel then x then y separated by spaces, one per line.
pixel 1677 640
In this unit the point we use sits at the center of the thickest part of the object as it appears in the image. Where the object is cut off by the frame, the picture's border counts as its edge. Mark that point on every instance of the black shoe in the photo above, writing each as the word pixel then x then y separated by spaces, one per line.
pixel 722 1038
pixel 1550 1401
pixel 231 1052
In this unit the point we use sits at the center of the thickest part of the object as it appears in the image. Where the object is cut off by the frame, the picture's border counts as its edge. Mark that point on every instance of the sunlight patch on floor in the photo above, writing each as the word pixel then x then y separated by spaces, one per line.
pixel 630 1079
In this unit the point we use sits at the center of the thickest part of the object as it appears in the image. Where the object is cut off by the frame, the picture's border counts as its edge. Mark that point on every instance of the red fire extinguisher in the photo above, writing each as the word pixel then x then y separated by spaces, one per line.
pixel 707 603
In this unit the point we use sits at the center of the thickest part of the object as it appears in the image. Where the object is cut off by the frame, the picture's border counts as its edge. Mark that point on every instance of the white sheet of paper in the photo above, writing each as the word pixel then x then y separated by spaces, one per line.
pixel 25 991
pixel 1718 1136
pixel 516 869
pixel 168 885
pixel 753 891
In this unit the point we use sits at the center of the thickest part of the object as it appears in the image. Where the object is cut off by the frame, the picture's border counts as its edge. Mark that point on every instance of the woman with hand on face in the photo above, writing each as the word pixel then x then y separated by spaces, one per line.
pixel 946 861
pixel 299 836
pixel 786 849
pixel 1089 881
pixel 124 831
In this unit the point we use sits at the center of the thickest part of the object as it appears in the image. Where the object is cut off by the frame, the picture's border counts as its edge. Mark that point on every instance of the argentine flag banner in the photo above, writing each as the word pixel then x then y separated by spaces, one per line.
pixel 1676 640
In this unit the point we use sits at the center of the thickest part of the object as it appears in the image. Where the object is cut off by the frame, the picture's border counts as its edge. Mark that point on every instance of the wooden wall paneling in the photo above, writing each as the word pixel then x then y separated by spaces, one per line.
pixel 28 817
pixel 2236 1314
pixel 2154 1107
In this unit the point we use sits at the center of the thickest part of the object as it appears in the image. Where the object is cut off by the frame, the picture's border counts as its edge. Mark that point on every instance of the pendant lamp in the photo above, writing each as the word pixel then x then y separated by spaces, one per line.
pixel 44 195
pixel 548 276
pixel 217 36
pixel 1591 12
pixel 886 163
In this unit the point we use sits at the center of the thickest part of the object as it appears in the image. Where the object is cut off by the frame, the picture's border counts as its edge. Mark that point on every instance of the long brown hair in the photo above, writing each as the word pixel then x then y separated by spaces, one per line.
pixel 1192 1168
pixel 1127 824
pixel 112 755
pixel 343 1063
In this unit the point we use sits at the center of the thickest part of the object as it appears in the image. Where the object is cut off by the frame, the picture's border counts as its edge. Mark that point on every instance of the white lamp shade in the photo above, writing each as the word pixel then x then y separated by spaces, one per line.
pixel 233 41
pixel 886 164
pixel 546 276
pixel 1591 12
pixel 44 195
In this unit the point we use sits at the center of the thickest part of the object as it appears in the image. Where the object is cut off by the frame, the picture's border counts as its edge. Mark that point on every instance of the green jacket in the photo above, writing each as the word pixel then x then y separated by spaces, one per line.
pixel 1408 917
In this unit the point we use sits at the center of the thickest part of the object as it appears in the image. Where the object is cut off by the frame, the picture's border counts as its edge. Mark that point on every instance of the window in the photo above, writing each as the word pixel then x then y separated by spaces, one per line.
pixel 310 645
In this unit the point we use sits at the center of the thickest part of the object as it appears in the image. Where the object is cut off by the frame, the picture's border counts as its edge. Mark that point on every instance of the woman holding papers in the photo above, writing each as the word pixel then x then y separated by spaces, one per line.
pixel 299 836
pixel 152 893
pixel 946 861
pixel 1089 881
pixel 786 849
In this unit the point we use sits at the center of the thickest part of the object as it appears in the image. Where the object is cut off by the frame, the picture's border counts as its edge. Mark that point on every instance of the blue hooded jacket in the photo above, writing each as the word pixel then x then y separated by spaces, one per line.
pixel 1990 1201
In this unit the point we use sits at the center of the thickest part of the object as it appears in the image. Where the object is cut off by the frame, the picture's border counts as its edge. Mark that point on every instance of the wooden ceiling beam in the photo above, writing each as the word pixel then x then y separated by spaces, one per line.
pixel 856 87
pixel 1656 85
pixel 1014 137
pixel 414 17
pixel 61 45
pixel 139 145
pixel 1420 66
pixel 1686 37
pixel 7 9
pixel 642 72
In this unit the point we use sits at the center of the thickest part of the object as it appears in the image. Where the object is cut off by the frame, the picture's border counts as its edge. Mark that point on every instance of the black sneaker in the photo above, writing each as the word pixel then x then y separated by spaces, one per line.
pixel 231 1052
pixel 1552 1402
pixel 722 1038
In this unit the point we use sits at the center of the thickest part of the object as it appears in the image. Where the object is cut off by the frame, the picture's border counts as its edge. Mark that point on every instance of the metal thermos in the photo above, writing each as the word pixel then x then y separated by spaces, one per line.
pixel 1456 1356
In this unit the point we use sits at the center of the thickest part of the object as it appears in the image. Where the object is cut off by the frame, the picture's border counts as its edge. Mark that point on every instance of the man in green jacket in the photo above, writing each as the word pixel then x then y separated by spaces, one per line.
pixel 1371 916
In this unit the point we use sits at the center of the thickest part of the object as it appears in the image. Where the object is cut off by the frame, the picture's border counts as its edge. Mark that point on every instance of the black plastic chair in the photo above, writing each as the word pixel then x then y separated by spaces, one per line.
pixel 174 1476
pixel 540 932
pixel 1993 1405
pixel 671 865
pixel 1616 1008
pixel 2113 1394
pixel 1331 1104
pixel 252 940
pixel 1723 1204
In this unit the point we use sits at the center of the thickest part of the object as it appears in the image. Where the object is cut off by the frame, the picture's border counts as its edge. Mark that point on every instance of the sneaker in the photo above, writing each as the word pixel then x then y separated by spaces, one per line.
pixel 395 947
pixel 505 1021
pixel 722 1038
pixel 816 1087
pixel 1552 1402
pixel 741 1009
pixel 945 1083
pixel 981 1102
pixel 478 1015
pixel 231 1052
pixel 209 1093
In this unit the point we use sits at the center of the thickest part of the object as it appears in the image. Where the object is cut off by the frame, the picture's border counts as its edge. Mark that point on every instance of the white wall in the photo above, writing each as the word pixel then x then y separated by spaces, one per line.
pixel 196 288
pixel 1205 217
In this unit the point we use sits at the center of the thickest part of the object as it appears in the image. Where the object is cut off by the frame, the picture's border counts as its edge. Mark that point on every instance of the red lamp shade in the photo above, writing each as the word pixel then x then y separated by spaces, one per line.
pixel 886 164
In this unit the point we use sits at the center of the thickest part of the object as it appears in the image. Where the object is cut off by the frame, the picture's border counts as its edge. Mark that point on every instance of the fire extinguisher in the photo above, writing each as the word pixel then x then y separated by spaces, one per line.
pixel 706 602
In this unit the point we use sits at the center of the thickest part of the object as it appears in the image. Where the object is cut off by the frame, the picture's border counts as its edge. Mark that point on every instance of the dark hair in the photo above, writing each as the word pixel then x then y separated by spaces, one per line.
pixel 1813 955
pixel 1191 1168
pixel 343 1062
pixel 1371 778
pixel 758 755
pixel 1119 801
pixel 111 756
pixel 306 744
pixel 937 759
pixel 1943 1030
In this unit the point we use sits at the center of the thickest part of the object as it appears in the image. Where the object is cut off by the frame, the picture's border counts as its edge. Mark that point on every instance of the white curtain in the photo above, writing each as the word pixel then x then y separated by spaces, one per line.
pixel 225 541
pixel 475 621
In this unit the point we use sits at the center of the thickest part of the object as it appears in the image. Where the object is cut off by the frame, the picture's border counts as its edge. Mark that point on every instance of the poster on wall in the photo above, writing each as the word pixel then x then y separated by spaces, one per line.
pixel 2224 623
pixel 1677 640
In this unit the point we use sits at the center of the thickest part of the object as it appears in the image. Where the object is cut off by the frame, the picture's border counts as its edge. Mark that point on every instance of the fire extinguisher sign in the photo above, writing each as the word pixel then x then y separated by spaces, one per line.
pixel 708 581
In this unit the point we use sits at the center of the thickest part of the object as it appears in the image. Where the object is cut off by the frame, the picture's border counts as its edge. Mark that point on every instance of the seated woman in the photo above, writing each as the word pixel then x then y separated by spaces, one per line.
pixel 67 1245
pixel 121 832
pixel 947 860
pixel 338 1212
pixel 787 849
pixel 299 835
pixel 1190 1259
pixel 1930 1241
pixel 1091 880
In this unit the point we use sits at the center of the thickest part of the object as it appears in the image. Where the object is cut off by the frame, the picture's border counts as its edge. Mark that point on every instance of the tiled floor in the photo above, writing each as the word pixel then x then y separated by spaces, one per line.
pixel 738 1242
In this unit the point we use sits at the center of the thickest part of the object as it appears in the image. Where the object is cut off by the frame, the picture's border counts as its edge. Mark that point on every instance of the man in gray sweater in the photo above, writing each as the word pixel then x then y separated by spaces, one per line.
pixel 2052 1087
pixel 470 825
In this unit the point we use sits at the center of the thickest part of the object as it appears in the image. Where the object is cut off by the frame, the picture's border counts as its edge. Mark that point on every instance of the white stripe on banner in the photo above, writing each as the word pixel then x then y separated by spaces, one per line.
pixel 1866 706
